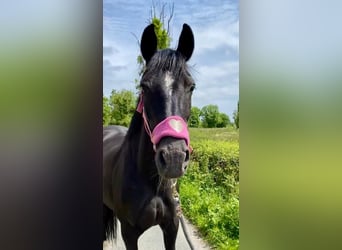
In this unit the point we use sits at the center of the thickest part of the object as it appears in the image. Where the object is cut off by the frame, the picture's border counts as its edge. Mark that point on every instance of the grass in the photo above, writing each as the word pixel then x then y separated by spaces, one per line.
pixel 210 189
pixel 216 134
pixel 214 215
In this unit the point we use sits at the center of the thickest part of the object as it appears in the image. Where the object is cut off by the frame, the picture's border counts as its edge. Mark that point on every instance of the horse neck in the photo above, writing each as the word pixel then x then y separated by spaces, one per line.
pixel 142 153
pixel 140 146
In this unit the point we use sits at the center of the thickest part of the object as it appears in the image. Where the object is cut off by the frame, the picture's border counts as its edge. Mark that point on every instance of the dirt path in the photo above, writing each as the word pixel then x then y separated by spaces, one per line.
pixel 152 239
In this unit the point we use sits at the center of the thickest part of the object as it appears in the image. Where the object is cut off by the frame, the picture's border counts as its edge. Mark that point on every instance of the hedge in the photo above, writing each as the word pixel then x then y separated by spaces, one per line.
pixel 217 163
pixel 210 192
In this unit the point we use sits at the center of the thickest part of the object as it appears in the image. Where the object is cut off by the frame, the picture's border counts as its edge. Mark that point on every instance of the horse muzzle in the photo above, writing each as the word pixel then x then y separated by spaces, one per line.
pixel 171 143
pixel 172 157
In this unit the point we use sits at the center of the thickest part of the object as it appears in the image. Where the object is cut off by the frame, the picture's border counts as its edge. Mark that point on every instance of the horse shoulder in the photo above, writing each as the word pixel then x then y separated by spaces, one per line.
pixel 113 138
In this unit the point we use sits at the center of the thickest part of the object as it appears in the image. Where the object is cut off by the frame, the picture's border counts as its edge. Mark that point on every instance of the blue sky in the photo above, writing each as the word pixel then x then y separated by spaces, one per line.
pixel 215 61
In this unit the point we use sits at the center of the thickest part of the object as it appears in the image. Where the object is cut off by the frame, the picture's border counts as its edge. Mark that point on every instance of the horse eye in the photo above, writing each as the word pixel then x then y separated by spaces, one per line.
pixel 144 86
pixel 192 87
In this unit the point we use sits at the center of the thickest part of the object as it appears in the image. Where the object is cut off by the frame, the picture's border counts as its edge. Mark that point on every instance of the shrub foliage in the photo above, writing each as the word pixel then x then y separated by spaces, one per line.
pixel 210 192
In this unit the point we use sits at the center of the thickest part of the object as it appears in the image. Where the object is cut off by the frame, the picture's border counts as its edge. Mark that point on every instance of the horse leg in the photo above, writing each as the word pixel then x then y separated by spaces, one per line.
pixel 170 233
pixel 130 236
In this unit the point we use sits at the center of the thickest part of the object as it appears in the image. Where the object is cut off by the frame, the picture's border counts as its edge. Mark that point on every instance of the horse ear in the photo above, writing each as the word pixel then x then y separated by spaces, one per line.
pixel 148 45
pixel 186 42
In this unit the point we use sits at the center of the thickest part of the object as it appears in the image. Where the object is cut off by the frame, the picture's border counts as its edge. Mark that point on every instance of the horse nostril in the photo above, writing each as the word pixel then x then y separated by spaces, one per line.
pixel 162 155
pixel 187 156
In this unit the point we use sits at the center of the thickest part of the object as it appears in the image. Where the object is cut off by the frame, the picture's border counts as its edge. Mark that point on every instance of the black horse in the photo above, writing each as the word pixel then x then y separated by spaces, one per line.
pixel 140 162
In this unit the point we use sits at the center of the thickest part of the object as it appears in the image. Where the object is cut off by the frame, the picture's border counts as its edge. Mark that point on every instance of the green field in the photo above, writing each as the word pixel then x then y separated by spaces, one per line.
pixel 210 189
pixel 216 134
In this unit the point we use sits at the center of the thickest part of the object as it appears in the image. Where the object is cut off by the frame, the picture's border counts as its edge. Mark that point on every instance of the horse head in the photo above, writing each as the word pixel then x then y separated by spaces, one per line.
pixel 165 100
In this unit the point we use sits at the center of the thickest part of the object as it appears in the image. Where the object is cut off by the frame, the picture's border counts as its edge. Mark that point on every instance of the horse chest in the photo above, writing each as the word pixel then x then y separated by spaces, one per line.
pixel 156 211
pixel 145 208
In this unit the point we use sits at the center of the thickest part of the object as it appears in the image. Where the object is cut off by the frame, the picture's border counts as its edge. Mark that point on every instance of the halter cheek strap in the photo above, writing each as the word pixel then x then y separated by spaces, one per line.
pixel 173 126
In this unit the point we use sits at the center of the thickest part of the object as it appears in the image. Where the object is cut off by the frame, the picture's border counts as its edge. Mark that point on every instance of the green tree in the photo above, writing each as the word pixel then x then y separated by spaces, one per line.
pixel 194 119
pixel 210 116
pixel 236 115
pixel 162 33
pixel 123 107
pixel 223 120
pixel 106 117
pixel 163 37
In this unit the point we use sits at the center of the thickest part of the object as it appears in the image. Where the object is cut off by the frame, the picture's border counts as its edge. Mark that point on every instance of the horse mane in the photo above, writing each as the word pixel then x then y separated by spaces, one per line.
pixel 136 123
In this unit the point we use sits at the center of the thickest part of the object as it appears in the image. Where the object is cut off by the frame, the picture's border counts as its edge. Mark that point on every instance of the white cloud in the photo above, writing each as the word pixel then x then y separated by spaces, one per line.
pixel 225 69
pixel 217 84
pixel 221 34
pixel 119 68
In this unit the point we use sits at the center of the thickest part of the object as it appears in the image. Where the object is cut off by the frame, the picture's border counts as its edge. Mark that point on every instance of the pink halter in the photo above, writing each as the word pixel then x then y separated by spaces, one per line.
pixel 173 126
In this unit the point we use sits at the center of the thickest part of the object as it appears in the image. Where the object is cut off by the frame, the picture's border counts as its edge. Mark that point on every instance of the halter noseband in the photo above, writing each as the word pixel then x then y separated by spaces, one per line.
pixel 173 126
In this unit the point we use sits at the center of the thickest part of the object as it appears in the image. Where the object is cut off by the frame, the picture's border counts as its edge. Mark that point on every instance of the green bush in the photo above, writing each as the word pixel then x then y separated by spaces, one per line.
pixel 210 192
pixel 219 160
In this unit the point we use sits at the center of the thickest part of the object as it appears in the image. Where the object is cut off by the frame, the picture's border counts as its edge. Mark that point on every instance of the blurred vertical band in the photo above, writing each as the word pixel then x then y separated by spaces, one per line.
pixel 290 124
pixel 50 124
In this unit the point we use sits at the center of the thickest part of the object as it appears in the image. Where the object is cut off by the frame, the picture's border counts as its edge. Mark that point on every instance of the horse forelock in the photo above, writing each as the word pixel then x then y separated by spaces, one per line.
pixel 167 60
